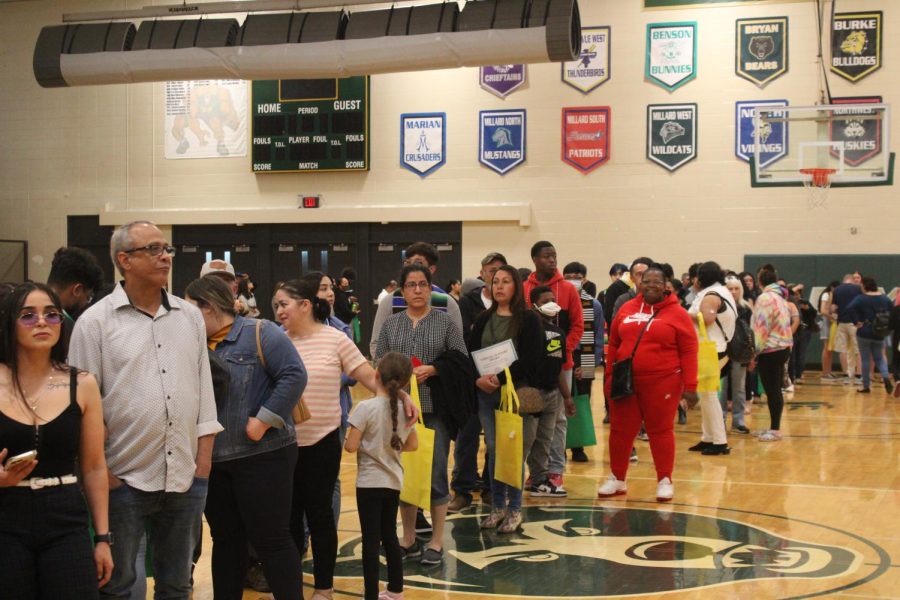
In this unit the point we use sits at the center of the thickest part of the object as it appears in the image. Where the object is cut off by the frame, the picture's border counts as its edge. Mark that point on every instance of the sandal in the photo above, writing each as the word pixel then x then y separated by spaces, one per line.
pixel 769 436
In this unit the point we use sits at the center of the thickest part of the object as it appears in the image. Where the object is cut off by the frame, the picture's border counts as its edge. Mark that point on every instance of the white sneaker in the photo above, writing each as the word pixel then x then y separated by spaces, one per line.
pixel 612 487
pixel 664 490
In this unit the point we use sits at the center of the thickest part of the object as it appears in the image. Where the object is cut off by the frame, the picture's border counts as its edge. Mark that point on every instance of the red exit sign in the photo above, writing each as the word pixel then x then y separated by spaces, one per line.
pixel 309 201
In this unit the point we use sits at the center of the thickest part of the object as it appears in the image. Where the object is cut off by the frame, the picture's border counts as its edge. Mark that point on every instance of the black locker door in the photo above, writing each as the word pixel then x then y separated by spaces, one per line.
pixel 197 244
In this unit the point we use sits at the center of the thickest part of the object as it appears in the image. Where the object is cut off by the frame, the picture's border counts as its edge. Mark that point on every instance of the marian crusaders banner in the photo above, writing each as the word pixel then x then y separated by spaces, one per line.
pixel 592 67
pixel 501 140
pixel 502 80
pixel 585 137
pixel 861 136
pixel 671 54
pixel 856 44
pixel 761 52
pixel 423 140
pixel 671 134
pixel 772 136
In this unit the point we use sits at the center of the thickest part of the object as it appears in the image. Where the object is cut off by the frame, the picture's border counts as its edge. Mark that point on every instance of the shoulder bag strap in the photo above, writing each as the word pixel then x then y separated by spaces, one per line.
pixel 641 334
pixel 259 350
pixel 725 302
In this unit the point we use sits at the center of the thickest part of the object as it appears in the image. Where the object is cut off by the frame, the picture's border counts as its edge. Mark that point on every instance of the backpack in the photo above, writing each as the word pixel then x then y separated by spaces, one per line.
pixel 881 324
pixel 741 347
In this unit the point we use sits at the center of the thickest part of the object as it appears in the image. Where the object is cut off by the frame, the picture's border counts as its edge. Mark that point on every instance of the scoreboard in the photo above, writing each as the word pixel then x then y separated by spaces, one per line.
pixel 309 125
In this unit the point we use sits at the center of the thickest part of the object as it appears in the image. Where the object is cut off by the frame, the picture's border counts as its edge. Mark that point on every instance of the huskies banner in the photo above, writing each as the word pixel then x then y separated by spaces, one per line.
pixel 671 134
pixel 771 136
pixel 761 52
pixel 591 69
pixel 861 137
pixel 671 54
pixel 501 139
pixel 585 137
pixel 502 80
pixel 423 139
pixel 856 44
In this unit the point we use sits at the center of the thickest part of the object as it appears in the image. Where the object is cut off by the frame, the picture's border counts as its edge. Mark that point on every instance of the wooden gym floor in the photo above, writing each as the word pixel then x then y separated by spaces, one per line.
pixel 817 514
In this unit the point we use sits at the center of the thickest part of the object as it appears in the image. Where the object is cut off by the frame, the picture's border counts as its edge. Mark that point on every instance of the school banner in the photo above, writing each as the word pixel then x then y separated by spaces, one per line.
pixel 761 49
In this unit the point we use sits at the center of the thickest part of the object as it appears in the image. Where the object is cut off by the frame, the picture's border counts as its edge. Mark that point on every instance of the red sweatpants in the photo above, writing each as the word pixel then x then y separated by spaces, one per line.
pixel 655 401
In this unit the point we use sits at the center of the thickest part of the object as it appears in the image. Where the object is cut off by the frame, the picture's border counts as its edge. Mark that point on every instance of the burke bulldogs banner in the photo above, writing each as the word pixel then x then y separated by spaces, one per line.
pixel 856 44
pixel 423 142
pixel 501 139
pixel 772 136
pixel 502 80
pixel 585 137
pixel 671 134
pixel 592 67
pixel 671 53
pixel 761 52
pixel 861 137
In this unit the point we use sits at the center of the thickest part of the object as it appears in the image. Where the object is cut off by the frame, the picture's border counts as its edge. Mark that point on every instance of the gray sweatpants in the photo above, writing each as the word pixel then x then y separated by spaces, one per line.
pixel 538 433
pixel 558 446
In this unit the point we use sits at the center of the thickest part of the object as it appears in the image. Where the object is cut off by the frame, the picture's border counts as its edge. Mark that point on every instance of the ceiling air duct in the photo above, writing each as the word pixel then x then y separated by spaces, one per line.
pixel 310 45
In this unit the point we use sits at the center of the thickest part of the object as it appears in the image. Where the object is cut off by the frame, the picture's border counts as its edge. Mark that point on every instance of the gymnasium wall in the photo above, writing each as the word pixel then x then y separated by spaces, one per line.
pixel 91 149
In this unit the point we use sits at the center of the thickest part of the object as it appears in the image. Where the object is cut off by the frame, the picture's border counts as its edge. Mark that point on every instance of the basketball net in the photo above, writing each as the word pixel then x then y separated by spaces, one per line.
pixel 817 183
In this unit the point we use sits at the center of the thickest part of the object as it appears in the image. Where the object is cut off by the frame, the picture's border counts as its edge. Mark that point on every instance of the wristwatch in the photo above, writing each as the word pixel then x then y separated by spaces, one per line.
pixel 104 537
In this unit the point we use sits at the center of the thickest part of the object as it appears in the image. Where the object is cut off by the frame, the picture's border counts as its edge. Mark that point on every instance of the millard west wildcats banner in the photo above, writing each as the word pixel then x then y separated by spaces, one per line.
pixel 772 136
pixel 671 53
pixel 592 67
pixel 585 136
pixel 856 44
pixel 423 142
pixel 502 80
pixel 861 137
pixel 501 139
pixel 671 134
pixel 761 52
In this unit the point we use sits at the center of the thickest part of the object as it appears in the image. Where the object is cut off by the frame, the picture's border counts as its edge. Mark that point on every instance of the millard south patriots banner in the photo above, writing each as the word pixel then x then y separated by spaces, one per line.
pixel 585 136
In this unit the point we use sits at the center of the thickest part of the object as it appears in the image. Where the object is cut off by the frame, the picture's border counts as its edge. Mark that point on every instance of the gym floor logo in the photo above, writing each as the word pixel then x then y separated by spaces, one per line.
pixel 618 552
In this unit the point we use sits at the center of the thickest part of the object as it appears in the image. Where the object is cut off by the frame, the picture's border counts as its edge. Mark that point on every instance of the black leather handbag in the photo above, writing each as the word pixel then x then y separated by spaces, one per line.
pixel 622 374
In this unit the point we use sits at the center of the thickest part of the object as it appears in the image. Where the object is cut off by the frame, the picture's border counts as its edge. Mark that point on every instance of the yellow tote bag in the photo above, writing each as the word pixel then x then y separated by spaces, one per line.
pixel 832 333
pixel 417 465
pixel 509 440
pixel 707 361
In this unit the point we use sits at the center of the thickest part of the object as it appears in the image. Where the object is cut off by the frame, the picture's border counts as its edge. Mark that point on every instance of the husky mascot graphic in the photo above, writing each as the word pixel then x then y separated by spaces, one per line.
pixel 670 130
pixel 761 46
pixel 854 129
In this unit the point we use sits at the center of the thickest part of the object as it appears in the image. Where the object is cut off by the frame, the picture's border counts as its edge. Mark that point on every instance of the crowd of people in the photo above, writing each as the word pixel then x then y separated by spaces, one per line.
pixel 128 413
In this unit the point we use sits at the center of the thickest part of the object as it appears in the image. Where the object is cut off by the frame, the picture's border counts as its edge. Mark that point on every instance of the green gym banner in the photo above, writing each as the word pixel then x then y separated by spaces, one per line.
pixel 761 52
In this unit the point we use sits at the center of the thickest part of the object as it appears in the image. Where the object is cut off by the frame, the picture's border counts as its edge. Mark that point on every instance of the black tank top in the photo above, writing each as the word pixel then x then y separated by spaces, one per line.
pixel 56 442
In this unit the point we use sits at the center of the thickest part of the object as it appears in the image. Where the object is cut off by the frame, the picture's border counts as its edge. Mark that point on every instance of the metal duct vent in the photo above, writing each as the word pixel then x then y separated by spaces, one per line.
pixel 311 45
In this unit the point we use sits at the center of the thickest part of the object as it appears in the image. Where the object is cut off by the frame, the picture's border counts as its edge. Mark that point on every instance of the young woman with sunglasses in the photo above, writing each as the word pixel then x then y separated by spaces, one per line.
pixel 53 410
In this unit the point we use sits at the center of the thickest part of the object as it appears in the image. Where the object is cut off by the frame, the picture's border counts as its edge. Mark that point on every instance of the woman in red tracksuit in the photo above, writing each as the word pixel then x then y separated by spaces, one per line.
pixel 665 370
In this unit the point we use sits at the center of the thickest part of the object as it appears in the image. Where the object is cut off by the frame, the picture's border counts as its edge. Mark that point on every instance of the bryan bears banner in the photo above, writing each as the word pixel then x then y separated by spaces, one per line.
pixel 861 137
pixel 671 54
pixel 772 136
pixel 423 142
pixel 671 134
pixel 761 52
pixel 856 44
pixel 502 80
pixel 501 139
pixel 585 137
pixel 592 67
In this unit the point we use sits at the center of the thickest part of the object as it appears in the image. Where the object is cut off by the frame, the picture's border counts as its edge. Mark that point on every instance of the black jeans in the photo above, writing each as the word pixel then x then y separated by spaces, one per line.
pixel 249 499
pixel 378 521
pixel 771 373
pixel 45 548
pixel 317 469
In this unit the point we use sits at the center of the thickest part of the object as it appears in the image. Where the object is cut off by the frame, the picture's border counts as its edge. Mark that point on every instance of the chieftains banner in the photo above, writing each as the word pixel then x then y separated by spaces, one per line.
pixel 761 52
pixel 592 67
pixel 861 137
pixel 423 142
pixel 671 54
pixel 856 44
pixel 502 80
pixel 671 134
pixel 585 137
pixel 501 140
pixel 772 136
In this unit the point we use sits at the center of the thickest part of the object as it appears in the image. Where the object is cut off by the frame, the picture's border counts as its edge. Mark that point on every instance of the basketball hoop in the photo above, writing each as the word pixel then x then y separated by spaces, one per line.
pixel 817 182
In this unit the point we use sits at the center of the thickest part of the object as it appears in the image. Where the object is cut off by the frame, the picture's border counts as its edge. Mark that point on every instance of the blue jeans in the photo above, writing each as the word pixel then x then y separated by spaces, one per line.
pixel 503 495
pixel 174 524
pixel 869 349
pixel 736 382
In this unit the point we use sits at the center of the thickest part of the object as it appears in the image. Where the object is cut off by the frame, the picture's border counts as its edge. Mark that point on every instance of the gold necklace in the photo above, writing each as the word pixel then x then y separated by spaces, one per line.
pixel 33 403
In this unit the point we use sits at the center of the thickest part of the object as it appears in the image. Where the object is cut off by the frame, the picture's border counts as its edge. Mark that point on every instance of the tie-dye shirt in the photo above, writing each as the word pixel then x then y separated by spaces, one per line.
pixel 772 321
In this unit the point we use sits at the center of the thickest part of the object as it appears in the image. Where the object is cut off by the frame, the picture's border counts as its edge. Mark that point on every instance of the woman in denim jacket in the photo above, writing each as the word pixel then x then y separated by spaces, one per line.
pixel 251 482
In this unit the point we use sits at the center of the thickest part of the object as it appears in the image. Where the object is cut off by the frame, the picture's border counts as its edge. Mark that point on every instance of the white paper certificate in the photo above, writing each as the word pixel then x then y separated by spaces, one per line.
pixel 493 359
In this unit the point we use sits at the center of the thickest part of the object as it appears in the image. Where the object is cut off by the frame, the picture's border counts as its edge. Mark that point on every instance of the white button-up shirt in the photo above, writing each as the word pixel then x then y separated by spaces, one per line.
pixel 156 386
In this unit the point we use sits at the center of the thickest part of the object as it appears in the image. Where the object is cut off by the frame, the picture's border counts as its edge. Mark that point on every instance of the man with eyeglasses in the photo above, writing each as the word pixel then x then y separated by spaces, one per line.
pixel 147 349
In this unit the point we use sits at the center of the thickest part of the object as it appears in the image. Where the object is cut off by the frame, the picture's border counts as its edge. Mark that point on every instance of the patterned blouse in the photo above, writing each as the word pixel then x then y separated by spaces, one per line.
pixel 429 338
pixel 772 321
